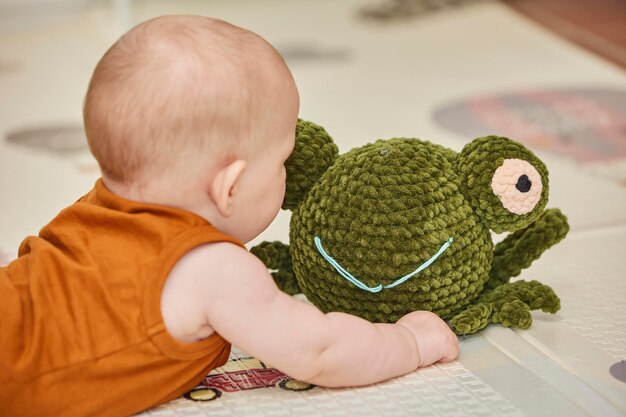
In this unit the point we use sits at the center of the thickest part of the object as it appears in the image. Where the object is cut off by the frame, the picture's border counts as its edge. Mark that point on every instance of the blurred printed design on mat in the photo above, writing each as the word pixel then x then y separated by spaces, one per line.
pixel 400 10
pixel 584 124
pixel 240 374
pixel 60 139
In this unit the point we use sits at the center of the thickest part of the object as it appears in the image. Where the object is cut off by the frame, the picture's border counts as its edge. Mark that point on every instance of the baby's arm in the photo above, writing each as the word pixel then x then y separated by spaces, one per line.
pixel 236 296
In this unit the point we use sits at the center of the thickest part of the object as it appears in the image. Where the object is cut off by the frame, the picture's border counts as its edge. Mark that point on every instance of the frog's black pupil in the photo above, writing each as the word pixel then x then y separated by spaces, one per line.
pixel 523 184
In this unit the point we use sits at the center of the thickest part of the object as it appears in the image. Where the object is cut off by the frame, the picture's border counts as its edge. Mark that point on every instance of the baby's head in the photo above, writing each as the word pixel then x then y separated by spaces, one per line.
pixel 183 106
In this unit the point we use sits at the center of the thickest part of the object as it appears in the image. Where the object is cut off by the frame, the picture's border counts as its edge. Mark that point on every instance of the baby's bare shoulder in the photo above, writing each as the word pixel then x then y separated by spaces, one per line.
pixel 204 276
pixel 214 260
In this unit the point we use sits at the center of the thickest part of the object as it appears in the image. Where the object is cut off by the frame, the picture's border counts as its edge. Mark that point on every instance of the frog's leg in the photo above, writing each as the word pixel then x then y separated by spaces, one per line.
pixel 518 250
pixel 509 304
pixel 275 256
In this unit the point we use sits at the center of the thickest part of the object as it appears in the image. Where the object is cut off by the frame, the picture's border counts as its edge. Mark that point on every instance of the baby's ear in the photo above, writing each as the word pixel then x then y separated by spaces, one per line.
pixel 223 186
pixel 314 152
pixel 506 184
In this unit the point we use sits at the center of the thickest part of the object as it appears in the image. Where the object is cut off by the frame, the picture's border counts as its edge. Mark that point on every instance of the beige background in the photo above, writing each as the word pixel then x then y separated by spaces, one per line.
pixel 362 80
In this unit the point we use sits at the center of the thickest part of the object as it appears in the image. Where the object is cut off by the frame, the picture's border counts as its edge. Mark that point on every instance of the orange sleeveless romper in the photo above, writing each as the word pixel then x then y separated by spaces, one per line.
pixel 81 332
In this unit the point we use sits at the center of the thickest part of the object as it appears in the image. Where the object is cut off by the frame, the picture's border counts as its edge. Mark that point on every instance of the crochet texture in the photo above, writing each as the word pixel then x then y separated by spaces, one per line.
pixel 383 209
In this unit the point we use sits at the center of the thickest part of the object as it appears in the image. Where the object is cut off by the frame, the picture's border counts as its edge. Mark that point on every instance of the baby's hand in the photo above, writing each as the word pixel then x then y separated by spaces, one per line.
pixel 435 341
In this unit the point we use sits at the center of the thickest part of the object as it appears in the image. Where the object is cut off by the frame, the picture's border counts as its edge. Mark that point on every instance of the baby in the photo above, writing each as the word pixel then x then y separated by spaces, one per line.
pixel 131 295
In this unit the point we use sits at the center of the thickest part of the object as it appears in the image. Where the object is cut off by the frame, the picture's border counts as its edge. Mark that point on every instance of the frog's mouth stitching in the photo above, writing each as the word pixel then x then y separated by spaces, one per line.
pixel 344 273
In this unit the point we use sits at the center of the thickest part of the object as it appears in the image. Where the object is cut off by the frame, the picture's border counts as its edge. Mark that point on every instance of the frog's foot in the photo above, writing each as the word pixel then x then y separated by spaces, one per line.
pixel 509 304
pixel 473 319
pixel 512 302
pixel 509 312
pixel 276 257
pixel 532 293
pixel 512 313
pixel 518 250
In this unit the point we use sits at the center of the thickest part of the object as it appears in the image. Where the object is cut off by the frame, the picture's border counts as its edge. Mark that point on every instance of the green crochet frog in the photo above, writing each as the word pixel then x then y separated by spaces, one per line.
pixel 403 224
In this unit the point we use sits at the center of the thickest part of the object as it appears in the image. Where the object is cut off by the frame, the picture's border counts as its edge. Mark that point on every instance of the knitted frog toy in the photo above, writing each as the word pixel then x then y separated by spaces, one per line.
pixel 402 224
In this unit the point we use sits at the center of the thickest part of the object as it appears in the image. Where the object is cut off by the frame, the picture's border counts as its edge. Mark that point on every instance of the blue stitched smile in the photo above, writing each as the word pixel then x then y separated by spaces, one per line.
pixel 344 273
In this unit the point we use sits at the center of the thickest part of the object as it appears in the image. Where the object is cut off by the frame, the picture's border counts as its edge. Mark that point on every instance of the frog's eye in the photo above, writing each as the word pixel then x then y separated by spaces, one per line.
pixel 518 185
pixel 504 182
